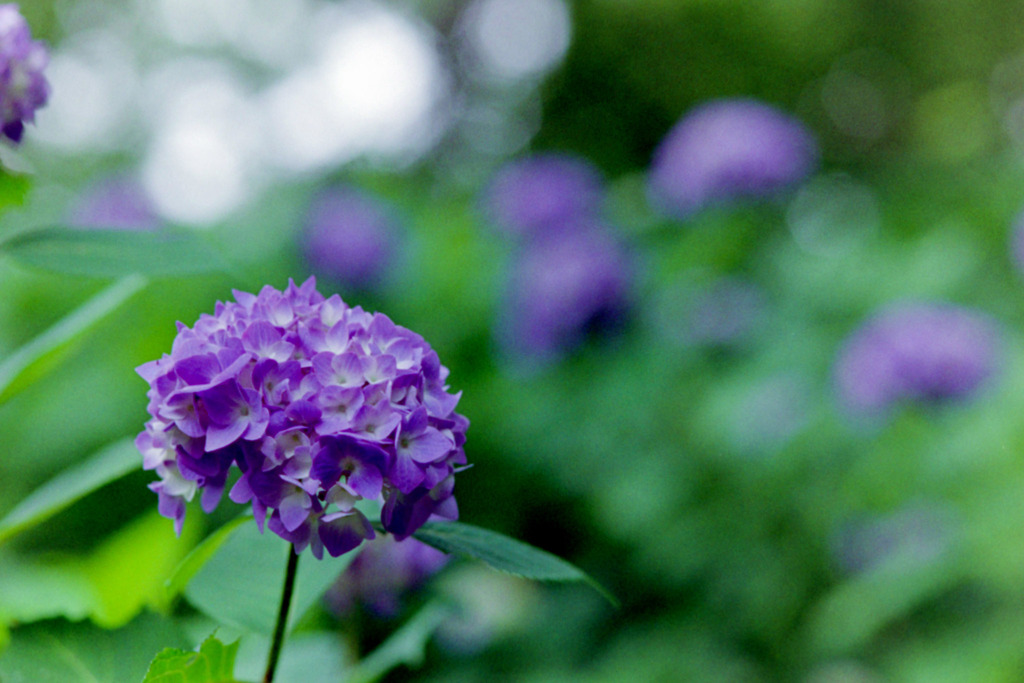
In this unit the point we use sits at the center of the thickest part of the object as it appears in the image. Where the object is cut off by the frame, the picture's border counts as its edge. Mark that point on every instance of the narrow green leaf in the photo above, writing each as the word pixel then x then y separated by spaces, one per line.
pixel 114 253
pixel 406 646
pixel 503 553
pixel 241 584
pixel 72 484
pixel 213 663
pixel 61 652
pixel 35 359
pixel 199 556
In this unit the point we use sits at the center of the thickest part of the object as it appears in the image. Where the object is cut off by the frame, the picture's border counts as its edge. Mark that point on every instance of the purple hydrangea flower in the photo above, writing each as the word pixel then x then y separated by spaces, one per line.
pixel 117 202
pixel 23 88
pixel 350 237
pixel 383 574
pixel 726 150
pixel 562 287
pixel 317 406
pixel 542 193
pixel 925 352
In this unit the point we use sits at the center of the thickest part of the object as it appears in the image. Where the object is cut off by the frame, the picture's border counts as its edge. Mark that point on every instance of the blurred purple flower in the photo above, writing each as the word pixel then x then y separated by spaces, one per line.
pixel 117 202
pixel 561 288
pixel 544 193
pixel 924 352
pixel 383 574
pixel 319 406
pixel 726 150
pixel 23 88
pixel 350 237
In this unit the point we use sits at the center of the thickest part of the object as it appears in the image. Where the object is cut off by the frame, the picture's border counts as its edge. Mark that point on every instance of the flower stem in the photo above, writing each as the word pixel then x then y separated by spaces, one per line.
pixel 282 615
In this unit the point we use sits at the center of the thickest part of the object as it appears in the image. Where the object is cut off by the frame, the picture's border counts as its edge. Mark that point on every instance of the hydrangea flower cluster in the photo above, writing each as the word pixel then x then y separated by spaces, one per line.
pixel 383 574
pixel 350 237
pixel 925 352
pixel 23 88
pixel 317 405
pixel 544 193
pixel 726 150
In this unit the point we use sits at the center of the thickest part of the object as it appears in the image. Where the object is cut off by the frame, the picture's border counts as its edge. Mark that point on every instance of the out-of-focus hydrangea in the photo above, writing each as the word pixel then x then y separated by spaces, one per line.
pixel 319 406
pixel 383 574
pixel 923 352
pixel 117 202
pixel 544 193
pixel 23 88
pixel 350 237
pixel 563 287
pixel 726 150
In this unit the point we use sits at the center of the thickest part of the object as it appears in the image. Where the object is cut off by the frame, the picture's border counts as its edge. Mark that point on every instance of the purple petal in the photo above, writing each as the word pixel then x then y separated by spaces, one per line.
pixel 172 507
pixel 367 481
pixel 218 437
pixel 345 531
pixel 241 492
pixel 405 474
pixel 427 447
pixel 294 509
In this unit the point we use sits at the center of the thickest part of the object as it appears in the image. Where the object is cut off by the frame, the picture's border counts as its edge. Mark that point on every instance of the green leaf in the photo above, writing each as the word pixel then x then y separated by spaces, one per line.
pixel 407 645
pixel 62 652
pixel 26 365
pixel 846 618
pixel 13 189
pixel 72 484
pixel 111 585
pixel 33 590
pixel 213 663
pixel 241 584
pixel 199 556
pixel 114 253
pixel 128 570
pixel 503 553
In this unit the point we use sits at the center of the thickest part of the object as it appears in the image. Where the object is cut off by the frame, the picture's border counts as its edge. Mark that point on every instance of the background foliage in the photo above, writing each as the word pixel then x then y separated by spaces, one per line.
pixel 750 527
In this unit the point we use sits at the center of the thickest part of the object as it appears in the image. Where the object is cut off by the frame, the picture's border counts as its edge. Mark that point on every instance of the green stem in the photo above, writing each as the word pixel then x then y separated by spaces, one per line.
pixel 282 615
